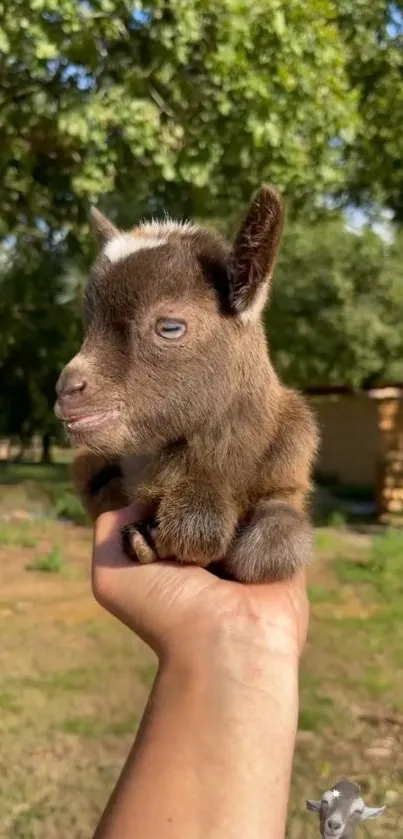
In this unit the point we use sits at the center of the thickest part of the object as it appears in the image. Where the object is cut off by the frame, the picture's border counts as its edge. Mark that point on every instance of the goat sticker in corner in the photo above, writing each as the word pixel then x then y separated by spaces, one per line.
pixel 341 809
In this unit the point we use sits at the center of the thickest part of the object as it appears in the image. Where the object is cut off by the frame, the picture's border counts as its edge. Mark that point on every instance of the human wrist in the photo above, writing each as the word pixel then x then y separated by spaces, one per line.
pixel 242 636
pixel 217 738
pixel 244 654
pixel 235 710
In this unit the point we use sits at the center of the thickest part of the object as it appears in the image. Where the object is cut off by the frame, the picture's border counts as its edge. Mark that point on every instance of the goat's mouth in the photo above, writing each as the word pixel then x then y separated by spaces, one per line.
pixel 84 421
pixel 334 833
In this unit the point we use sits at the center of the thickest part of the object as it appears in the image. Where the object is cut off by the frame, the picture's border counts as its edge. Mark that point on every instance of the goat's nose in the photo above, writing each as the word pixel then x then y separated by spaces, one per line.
pixel 333 823
pixel 70 384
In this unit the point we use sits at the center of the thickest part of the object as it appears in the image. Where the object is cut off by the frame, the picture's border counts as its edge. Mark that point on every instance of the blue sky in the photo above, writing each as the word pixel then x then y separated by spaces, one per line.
pixel 356 219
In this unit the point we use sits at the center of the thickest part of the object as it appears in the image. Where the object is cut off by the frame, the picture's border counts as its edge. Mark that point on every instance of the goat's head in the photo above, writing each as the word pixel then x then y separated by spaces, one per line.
pixel 340 809
pixel 167 308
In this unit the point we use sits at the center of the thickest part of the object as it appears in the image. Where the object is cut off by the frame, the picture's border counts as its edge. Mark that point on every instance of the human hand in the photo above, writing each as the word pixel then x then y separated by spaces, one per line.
pixel 224 707
pixel 186 609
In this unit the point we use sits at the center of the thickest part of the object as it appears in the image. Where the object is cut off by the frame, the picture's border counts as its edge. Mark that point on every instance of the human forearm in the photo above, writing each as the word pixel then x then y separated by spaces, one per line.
pixel 214 751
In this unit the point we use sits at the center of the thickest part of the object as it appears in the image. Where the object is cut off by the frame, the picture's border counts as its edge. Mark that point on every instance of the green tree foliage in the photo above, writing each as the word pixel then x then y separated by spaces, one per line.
pixel 337 307
pixel 373 34
pixel 40 322
pixel 185 104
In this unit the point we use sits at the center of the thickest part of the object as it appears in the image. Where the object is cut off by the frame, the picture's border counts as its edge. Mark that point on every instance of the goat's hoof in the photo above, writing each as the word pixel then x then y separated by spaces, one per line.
pixel 137 544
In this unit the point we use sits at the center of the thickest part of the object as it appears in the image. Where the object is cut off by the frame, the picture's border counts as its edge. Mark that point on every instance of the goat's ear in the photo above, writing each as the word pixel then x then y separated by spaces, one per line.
pixel 254 253
pixel 102 228
pixel 313 805
pixel 372 812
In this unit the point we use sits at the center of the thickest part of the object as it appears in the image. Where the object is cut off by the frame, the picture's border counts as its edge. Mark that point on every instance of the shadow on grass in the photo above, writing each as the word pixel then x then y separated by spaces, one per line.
pixel 48 484
pixel 12 474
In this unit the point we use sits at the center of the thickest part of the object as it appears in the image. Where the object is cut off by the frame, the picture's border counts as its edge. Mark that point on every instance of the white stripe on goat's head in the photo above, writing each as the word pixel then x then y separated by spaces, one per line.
pixel 340 809
pixel 117 245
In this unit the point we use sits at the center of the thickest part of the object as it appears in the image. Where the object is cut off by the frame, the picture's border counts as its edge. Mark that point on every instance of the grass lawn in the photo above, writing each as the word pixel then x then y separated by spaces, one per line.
pixel 74 683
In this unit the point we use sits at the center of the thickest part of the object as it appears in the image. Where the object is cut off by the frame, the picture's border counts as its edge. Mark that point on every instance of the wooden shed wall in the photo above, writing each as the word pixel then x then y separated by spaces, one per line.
pixel 350 444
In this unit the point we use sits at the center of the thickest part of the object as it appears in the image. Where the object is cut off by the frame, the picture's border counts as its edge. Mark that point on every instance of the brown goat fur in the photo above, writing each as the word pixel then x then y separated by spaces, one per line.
pixel 175 402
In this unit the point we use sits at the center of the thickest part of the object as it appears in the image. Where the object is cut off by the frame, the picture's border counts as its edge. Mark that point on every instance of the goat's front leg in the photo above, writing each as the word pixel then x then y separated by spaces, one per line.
pixel 276 542
pixel 195 523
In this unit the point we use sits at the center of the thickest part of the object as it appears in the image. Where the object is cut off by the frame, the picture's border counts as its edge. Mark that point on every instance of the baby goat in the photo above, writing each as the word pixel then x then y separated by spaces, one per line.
pixel 340 809
pixel 175 400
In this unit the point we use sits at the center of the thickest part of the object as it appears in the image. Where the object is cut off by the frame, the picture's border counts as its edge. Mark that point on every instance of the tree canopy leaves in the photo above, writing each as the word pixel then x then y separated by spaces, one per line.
pixel 337 307
pixel 373 36
pixel 186 105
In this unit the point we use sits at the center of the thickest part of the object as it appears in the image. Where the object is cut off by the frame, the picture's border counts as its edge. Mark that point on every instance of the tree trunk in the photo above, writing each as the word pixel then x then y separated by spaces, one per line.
pixel 46 448
pixel 21 451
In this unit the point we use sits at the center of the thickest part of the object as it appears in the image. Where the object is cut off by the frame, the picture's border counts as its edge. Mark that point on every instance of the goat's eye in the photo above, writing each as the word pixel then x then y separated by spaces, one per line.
pixel 170 328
